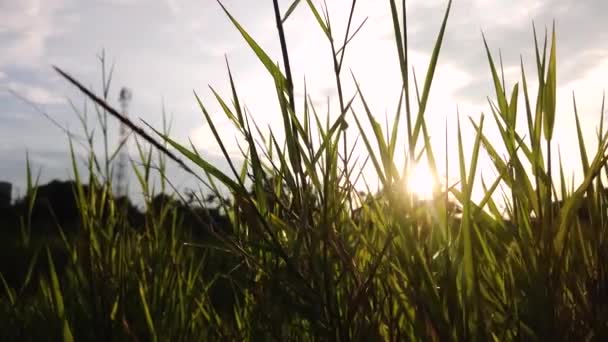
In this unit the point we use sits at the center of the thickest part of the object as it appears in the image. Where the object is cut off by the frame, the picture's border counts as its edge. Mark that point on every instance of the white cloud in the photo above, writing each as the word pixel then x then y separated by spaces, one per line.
pixel 492 13
pixel 34 93
pixel 122 2
pixel 174 7
pixel 26 27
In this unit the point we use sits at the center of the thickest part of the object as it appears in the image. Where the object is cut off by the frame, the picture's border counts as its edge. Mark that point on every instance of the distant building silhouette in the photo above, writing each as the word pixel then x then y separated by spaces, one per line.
pixel 6 190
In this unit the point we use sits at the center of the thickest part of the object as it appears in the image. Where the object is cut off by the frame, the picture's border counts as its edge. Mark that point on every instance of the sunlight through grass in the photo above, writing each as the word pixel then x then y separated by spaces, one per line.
pixel 420 181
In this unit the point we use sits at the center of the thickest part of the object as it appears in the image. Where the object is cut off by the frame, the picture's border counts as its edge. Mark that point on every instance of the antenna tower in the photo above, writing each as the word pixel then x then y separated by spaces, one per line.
pixel 123 158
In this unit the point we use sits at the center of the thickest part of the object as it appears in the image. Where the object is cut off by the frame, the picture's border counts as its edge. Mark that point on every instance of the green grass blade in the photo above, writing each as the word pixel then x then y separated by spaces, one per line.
pixel 430 74
pixel 147 314
pixel 512 117
pixel 8 290
pixel 466 224
pixel 370 150
pixel 58 300
pixel 235 119
pixel 550 91
pixel 290 10
pixel 581 139
pixel 320 21
pixel 383 148
pixel 203 164
pixel 500 92
pixel 259 52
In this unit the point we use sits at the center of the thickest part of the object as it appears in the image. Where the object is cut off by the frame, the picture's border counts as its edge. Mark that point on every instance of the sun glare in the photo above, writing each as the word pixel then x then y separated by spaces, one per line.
pixel 420 181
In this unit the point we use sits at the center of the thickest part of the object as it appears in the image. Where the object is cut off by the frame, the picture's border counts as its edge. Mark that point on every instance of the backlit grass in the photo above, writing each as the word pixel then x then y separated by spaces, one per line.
pixel 309 257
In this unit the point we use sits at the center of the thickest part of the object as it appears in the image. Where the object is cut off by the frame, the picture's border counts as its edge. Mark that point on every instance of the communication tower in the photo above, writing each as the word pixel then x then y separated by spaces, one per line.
pixel 123 157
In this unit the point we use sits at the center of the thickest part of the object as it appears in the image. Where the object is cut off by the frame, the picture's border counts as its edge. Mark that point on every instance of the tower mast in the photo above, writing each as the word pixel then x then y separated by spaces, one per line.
pixel 123 158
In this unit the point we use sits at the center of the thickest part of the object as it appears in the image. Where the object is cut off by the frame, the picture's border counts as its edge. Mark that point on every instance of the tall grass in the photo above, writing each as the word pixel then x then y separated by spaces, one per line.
pixel 311 258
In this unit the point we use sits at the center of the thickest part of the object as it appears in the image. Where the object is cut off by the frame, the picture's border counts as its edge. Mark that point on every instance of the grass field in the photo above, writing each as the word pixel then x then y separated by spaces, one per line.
pixel 302 255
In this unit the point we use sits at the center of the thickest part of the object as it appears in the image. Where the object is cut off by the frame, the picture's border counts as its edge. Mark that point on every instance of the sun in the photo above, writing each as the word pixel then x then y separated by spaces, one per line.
pixel 420 181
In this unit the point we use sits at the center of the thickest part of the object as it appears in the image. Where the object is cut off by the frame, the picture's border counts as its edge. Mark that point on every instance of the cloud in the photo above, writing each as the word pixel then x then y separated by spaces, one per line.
pixel 174 7
pixel 34 93
pixel 508 27
pixel 25 28
pixel 122 2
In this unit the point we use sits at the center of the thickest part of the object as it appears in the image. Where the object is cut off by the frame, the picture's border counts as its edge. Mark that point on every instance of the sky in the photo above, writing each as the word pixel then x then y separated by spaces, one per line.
pixel 163 50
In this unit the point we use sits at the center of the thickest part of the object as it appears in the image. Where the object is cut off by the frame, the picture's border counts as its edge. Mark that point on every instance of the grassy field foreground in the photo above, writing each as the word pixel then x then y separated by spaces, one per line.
pixel 307 256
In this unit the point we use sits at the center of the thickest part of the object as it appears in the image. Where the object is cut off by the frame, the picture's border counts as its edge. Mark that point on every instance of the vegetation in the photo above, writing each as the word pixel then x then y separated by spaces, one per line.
pixel 307 256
